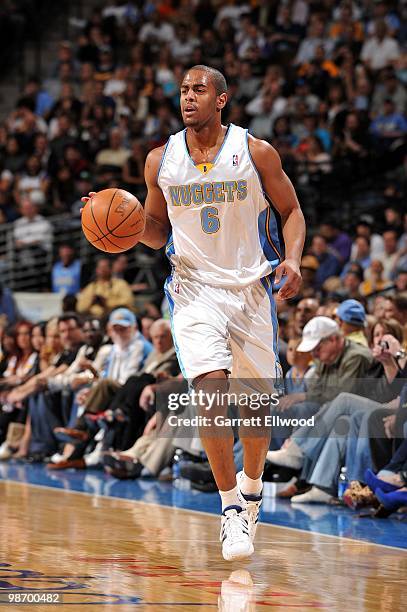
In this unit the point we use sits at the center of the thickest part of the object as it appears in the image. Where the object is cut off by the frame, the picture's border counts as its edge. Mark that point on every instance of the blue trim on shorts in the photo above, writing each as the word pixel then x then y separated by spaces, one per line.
pixel 171 306
pixel 268 286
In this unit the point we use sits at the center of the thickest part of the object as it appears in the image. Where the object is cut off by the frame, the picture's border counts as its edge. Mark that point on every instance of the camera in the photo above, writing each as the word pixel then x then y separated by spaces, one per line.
pixel 384 345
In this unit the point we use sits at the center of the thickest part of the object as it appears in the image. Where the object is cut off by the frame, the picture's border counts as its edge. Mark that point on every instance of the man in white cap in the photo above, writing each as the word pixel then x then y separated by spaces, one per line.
pixel 339 363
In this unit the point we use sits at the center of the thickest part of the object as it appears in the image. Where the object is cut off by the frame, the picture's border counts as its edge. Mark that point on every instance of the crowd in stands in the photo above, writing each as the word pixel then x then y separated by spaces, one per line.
pixel 324 82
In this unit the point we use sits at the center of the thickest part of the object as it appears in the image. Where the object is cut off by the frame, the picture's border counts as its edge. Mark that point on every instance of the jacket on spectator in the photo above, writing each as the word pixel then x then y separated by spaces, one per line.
pixel 330 380
pixel 119 364
pixel 115 292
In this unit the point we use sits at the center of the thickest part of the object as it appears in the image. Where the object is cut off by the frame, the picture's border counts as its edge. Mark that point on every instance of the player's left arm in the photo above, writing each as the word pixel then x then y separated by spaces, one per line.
pixel 280 190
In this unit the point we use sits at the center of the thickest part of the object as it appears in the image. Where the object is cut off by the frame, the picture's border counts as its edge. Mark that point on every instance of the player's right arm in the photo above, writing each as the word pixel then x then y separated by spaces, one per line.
pixel 157 223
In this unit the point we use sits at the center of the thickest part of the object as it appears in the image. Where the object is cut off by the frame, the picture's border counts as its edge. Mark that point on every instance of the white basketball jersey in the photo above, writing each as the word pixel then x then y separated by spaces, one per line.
pixel 224 231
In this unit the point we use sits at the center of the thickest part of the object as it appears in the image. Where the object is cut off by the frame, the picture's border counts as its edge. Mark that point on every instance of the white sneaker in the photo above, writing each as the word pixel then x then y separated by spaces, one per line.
pixel 253 503
pixel 95 457
pixel 5 452
pixel 290 456
pixel 234 534
pixel 57 458
pixel 313 496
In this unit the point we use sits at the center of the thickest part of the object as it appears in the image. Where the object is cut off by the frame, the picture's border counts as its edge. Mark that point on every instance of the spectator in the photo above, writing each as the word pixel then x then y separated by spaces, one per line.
pixel 396 308
pixel 130 411
pixel 375 281
pixel 364 228
pixel 286 34
pixel 40 97
pixel 344 24
pixel 391 255
pixel 380 50
pixel 305 311
pixel 32 241
pixel 301 368
pixel 400 282
pixel 115 363
pixel 352 285
pixel 314 39
pixel 351 317
pixel 340 362
pixel 14 157
pixel 183 45
pixel 20 368
pixel 66 272
pixel 45 408
pixel 338 240
pixel 32 230
pixel 8 307
pixel 156 32
pixel 32 178
pixel 389 88
pixel 389 126
pixel 113 158
pixel 81 371
pixel 329 264
pixel 361 255
pixel 105 293
pixel 309 267
pixel 8 347
pixel 133 170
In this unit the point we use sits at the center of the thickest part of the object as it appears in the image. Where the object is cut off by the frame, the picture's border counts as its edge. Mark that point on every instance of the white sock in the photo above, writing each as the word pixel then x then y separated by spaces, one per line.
pixel 250 486
pixel 230 498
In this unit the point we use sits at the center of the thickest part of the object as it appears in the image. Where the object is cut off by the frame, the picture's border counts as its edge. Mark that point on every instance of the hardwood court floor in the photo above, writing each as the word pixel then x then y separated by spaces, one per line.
pixel 119 555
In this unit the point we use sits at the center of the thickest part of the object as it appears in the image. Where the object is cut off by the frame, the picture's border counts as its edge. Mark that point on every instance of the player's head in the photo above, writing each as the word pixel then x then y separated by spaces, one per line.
pixel 203 95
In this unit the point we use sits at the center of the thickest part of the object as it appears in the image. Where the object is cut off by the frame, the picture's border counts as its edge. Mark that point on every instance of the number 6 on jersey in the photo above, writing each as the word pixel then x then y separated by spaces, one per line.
pixel 210 220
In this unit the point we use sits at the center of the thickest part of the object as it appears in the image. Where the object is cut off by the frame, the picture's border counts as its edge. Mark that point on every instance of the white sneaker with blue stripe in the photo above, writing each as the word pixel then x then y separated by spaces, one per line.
pixel 253 503
pixel 234 534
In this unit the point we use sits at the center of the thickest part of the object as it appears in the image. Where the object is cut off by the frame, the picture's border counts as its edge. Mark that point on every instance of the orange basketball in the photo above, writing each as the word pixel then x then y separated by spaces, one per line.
pixel 113 220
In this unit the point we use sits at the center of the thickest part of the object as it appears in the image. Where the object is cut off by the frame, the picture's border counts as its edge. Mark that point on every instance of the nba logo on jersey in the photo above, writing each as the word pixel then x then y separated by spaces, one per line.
pixel 176 287
pixel 235 160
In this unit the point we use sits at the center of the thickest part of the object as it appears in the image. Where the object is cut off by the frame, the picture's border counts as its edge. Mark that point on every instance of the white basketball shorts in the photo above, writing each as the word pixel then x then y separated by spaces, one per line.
pixel 224 329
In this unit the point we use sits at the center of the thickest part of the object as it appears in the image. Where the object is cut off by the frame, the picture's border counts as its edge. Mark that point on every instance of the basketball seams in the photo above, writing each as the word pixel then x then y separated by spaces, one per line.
pixel 90 230
pixel 109 231
pixel 94 218
pixel 117 246
pixel 103 237
pixel 128 235
pixel 98 238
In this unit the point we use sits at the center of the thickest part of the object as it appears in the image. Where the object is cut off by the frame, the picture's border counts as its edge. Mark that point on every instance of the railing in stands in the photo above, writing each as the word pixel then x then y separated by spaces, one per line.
pixel 29 269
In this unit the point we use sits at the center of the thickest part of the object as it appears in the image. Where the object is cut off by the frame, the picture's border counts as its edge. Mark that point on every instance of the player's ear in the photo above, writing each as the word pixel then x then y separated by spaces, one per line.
pixel 221 101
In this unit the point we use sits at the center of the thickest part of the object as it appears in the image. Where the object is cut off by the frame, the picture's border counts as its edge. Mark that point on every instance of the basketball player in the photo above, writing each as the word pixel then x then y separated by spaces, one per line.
pixel 212 191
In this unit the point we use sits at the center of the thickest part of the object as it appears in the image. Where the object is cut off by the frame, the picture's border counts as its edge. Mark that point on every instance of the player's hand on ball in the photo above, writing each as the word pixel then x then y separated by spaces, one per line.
pixel 290 271
pixel 86 199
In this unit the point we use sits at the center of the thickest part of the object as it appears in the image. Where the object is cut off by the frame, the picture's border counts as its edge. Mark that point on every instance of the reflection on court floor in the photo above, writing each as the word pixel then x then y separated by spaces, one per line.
pixel 116 554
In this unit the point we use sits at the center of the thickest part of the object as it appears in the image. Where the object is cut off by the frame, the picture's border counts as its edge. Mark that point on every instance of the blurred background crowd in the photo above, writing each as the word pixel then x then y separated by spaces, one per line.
pixel 325 83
